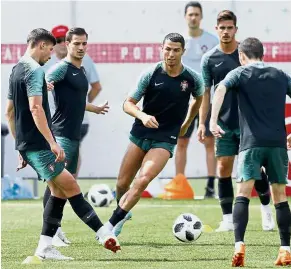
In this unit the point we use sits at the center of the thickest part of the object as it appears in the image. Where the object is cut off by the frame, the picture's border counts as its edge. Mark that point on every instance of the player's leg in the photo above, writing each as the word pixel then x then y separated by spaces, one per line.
pixel 277 168
pixel 210 159
pixel 181 151
pixel 226 149
pixel 153 163
pixel 263 189
pixel 84 132
pixel 130 165
pixel 71 149
pixel 69 186
pixel 211 166
pixel 43 162
pixel 52 216
pixel 249 165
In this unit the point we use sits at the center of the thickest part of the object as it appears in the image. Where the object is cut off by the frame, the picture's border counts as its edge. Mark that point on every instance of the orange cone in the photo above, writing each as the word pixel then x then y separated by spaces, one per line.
pixel 178 188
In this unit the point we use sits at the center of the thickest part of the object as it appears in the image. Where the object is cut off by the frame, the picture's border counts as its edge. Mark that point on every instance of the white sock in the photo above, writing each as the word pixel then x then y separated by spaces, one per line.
pixel 44 241
pixel 108 225
pixel 59 230
pixel 266 208
pixel 285 248
pixel 228 218
pixel 238 244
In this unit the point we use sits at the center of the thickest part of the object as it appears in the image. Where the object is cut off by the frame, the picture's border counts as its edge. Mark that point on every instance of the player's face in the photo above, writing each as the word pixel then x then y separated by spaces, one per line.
pixel 172 52
pixel 60 48
pixel 226 31
pixel 193 17
pixel 77 47
pixel 46 49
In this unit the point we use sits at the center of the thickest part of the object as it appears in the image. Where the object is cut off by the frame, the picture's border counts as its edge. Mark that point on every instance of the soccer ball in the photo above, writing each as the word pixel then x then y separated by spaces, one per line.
pixel 187 227
pixel 100 195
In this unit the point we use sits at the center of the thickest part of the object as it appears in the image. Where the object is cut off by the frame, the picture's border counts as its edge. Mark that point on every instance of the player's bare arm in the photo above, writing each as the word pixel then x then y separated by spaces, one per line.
pixel 216 106
pixel 191 114
pixel 10 116
pixel 40 120
pixel 101 109
pixel 133 110
pixel 94 91
pixel 203 111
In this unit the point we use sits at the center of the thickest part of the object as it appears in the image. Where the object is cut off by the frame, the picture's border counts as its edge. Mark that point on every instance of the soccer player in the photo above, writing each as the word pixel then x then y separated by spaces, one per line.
pixel 70 92
pixel 166 89
pixel 261 93
pixel 197 42
pixel 215 65
pixel 60 52
pixel 30 124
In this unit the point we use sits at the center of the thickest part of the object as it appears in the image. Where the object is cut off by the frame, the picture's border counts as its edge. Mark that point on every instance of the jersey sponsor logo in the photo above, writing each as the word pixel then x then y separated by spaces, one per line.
pixel 173 137
pixel 158 84
pixel 184 85
pixel 216 65
pixel 75 74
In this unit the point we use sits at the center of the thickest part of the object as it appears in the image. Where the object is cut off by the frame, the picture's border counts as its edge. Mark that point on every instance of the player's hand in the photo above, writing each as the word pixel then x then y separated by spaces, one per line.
pixel 21 163
pixel 184 129
pixel 216 130
pixel 50 85
pixel 201 133
pixel 58 151
pixel 102 109
pixel 149 121
pixel 289 141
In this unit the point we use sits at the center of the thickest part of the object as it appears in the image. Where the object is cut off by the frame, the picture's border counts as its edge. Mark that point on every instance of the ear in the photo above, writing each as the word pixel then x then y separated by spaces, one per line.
pixel 42 45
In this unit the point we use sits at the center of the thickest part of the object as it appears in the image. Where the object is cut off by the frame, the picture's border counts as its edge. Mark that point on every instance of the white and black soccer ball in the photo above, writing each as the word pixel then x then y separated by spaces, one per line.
pixel 100 195
pixel 187 227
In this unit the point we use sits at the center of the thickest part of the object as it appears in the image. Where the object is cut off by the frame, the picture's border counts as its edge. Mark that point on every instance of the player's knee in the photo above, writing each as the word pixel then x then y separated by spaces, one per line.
pixel 123 183
pixel 143 181
pixel 279 194
pixel 244 189
pixel 223 170
pixel 182 143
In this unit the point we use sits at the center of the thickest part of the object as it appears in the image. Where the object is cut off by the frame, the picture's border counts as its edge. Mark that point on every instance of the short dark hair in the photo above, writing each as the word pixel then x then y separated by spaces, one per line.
pixel 226 15
pixel 252 48
pixel 193 4
pixel 175 37
pixel 75 31
pixel 38 35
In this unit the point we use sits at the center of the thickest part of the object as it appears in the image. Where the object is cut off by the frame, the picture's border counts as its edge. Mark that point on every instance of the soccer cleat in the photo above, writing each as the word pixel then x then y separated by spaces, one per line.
pixel 268 223
pixel 209 193
pixel 238 259
pixel 284 258
pixel 118 227
pixel 108 239
pixel 225 226
pixel 50 253
pixel 60 239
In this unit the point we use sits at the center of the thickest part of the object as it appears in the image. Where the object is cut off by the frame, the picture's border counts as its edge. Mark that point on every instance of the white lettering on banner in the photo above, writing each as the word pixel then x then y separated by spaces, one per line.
pixel 136 53
pixel 149 53
pixel 265 50
pixel 8 54
pixel 274 51
pixel 124 52
pixel 18 53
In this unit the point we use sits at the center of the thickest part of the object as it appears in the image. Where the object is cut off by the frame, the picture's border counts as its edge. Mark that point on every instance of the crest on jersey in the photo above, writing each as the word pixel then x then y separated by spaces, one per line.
pixel 51 167
pixel 204 48
pixel 184 85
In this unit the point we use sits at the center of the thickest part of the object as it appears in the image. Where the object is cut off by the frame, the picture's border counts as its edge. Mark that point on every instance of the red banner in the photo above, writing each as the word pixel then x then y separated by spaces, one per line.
pixel 139 52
